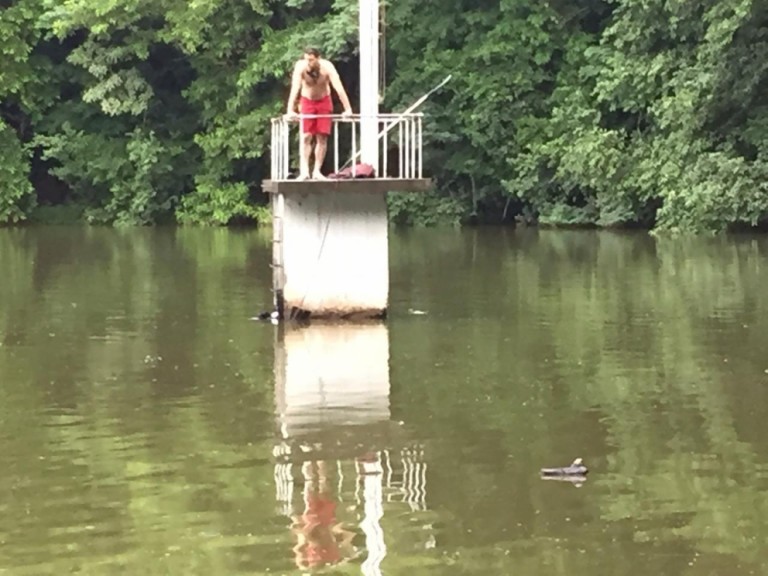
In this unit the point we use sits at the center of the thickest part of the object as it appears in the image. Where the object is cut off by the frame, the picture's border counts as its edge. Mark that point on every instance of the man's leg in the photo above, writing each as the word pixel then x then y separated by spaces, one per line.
pixel 306 152
pixel 308 129
pixel 323 128
pixel 321 146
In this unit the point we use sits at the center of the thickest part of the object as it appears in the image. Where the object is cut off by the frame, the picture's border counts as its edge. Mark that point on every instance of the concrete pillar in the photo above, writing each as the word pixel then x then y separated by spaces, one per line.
pixel 369 81
pixel 331 259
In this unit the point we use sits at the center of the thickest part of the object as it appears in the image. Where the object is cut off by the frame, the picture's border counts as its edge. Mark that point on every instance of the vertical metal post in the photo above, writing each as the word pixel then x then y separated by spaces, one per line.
pixel 408 148
pixel 384 150
pixel 280 150
pixel 421 149
pixel 286 149
pixel 277 145
pixel 400 148
pixel 354 149
pixel 272 152
pixel 414 143
pixel 369 81
pixel 335 146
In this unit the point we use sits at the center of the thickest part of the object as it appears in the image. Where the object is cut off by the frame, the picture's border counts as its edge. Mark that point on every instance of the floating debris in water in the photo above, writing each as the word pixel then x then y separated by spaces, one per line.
pixel 416 312
pixel 576 473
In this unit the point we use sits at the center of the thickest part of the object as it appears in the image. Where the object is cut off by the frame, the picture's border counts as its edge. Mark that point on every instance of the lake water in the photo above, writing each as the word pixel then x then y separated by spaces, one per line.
pixel 149 426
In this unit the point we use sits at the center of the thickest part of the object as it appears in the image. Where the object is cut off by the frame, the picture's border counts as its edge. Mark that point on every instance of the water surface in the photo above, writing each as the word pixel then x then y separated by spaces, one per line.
pixel 148 425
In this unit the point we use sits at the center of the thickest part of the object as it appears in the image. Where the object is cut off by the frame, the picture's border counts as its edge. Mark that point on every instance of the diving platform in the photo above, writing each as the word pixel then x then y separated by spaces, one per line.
pixel 330 245
pixel 330 253
pixel 359 186
pixel 397 168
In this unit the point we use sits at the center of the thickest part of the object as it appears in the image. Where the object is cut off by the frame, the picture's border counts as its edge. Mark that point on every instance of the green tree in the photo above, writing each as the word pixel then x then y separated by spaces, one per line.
pixel 180 99
pixel 22 75
pixel 592 113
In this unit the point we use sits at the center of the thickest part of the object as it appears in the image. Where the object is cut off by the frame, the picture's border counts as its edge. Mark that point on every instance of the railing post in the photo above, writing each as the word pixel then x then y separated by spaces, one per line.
pixel 413 148
pixel 272 151
pixel 279 152
pixel 421 148
pixel 409 141
pixel 408 148
pixel 286 149
pixel 385 148
pixel 354 149
pixel 400 149
pixel 335 145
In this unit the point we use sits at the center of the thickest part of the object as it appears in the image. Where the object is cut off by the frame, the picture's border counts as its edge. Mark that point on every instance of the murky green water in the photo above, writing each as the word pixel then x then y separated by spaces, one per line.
pixel 148 426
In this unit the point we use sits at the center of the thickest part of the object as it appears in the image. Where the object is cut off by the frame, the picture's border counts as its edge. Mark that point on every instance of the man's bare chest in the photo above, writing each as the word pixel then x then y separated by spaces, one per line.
pixel 319 80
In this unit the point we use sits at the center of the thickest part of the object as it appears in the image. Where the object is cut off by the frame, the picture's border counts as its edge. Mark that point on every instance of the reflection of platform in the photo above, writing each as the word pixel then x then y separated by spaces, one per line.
pixel 341 462
pixel 331 502
pixel 334 388
pixel 361 185
pixel 402 476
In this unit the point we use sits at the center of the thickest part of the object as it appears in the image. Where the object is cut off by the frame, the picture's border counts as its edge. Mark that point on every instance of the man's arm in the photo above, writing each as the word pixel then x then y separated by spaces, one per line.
pixel 339 87
pixel 295 87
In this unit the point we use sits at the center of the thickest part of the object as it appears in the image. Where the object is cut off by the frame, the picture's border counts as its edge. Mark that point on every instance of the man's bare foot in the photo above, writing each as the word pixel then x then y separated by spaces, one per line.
pixel 319 176
pixel 302 177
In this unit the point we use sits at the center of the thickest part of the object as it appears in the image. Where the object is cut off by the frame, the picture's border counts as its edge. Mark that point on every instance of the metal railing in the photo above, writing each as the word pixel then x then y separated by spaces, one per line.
pixel 400 144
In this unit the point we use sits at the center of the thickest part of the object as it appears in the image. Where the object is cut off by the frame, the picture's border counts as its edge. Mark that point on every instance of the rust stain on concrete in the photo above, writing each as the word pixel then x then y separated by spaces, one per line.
pixel 349 313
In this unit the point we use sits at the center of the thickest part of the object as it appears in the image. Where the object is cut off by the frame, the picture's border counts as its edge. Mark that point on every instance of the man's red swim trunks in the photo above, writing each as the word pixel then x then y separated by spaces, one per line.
pixel 317 125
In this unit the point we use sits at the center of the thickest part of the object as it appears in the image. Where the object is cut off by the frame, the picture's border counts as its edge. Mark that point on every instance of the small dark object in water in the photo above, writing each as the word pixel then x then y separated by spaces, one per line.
pixel 575 469
pixel 267 316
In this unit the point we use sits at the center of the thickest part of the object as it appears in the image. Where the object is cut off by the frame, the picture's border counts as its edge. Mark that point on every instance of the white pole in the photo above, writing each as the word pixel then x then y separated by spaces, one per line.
pixel 369 81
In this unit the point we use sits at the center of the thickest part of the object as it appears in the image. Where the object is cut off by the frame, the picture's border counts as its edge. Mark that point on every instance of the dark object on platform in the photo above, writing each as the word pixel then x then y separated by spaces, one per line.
pixel 577 469
pixel 356 171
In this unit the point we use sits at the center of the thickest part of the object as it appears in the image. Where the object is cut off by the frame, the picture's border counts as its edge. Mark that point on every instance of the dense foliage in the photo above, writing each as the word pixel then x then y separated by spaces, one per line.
pixel 617 112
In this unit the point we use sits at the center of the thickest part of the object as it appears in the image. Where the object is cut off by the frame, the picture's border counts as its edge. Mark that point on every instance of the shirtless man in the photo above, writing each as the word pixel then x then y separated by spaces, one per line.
pixel 313 77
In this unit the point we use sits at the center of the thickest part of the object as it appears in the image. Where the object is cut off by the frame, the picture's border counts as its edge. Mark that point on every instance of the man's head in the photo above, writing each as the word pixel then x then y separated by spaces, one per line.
pixel 312 56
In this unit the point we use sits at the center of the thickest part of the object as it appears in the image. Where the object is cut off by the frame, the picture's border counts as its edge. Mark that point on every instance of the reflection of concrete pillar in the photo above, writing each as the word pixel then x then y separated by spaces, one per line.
pixel 331 381
pixel 335 437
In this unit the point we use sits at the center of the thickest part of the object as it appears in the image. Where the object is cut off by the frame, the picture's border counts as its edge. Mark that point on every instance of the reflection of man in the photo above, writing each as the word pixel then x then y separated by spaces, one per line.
pixel 321 540
pixel 313 77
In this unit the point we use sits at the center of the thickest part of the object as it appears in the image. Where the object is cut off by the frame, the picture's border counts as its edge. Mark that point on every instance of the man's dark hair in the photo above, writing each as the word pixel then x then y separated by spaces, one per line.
pixel 312 51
